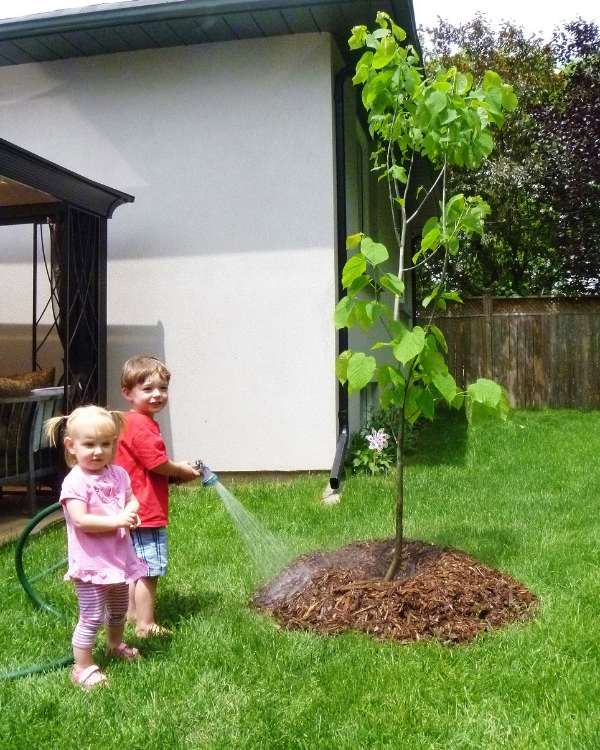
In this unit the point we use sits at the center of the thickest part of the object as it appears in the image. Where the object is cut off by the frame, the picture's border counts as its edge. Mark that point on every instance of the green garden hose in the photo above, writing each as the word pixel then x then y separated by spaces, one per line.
pixel 36 597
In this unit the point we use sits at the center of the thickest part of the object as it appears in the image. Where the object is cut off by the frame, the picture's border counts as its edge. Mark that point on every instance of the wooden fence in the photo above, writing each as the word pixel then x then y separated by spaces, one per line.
pixel 544 351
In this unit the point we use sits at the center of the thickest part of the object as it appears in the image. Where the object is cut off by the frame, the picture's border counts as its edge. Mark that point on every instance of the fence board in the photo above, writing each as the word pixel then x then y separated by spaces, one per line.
pixel 545 351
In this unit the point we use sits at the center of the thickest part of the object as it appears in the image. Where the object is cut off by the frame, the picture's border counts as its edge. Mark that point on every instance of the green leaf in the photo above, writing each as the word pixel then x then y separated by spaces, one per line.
pixel 375 252
pixel 341 365
pixel 439 337
pixel 385 52
pixel 353 241
pixel 431 296
pixel 393 283
pixel 452 295
pixel 431 240
pixel 342 310
pixel 426 403
pixel 399 173
pixel 485 392
pixel 457 401
pixel 462 83
pixel 509 100
pixel 412 410
pixel 478 413
pixel 432 362
pixel 360 370
pixel 410 345
pixel 446 385
pixel 357 40
pixel 358 284
pixel 363 315
pixel 397 328
pixel 491 80
pixel 354 268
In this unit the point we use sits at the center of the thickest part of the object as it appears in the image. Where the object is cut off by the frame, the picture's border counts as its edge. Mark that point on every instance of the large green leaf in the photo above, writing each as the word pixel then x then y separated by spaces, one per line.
pixel 359 283
pixel 426 403
pixel 432 362
pixel 360 370
pixel 478 413
pixel 341 365
pixel 354 240
pixel 374 252
pixel 439 337
pixel 410 345
pixel 354 268
pixel 393 283
pixel 385 52
pixel 485 392
pixel 445 384
pixel 342 309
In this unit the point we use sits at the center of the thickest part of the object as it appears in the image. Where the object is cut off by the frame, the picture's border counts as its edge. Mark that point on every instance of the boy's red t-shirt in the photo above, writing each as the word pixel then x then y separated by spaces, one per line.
pixel 141 449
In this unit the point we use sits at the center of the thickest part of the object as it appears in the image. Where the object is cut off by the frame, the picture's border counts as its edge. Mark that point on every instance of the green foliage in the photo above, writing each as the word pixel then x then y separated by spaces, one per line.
pixel 539 180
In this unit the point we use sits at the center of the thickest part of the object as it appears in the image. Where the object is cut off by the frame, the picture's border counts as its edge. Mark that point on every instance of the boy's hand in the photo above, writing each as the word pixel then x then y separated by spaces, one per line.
pixel 186 472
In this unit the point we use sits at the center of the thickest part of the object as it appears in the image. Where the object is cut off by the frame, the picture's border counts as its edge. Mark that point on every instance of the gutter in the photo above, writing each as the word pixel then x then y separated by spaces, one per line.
pixel 337 470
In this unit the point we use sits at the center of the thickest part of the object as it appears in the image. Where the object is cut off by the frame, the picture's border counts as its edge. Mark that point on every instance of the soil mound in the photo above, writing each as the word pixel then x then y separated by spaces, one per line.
pixel 443 594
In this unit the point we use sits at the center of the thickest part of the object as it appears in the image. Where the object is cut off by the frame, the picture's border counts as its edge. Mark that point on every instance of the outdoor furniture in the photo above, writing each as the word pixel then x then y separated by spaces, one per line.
pixel 25 454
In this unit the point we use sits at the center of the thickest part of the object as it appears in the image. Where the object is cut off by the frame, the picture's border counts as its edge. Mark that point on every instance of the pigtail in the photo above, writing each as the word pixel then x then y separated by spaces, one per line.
pixel 52 428
pixel 120 420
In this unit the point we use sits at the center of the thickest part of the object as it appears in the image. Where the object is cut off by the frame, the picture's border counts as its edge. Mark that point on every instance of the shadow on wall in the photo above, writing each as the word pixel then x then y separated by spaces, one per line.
pixel 128 341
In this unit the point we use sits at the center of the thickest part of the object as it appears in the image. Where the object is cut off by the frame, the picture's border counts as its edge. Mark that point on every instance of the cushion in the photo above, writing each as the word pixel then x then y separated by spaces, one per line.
pixel 10 388
pixel 37 379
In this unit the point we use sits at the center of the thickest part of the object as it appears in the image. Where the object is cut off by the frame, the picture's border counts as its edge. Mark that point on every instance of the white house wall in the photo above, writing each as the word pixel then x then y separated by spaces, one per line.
pixel 224 264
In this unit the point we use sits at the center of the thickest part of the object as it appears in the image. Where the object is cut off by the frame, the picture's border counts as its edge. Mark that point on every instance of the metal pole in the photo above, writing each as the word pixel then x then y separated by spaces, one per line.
pixel 34 322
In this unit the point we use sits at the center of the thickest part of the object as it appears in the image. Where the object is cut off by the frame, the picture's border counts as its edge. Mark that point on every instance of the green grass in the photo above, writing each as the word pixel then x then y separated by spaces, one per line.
pixel 521 496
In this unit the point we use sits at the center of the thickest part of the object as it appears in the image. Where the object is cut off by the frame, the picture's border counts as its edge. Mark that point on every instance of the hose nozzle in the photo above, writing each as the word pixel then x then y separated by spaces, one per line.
pixel 208 477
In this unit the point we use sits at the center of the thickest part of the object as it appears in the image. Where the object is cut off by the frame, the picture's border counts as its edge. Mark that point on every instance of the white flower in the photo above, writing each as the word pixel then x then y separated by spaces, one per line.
pixel 377 440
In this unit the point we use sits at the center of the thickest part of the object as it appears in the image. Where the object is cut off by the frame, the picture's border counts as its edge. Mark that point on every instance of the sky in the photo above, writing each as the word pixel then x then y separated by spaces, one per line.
pixel 536 16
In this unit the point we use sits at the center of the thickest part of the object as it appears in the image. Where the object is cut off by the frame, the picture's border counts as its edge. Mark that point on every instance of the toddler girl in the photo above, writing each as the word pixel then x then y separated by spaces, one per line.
pixel 99 510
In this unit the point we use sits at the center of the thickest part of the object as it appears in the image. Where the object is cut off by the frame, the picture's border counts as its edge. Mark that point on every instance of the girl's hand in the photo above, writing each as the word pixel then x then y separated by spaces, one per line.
pixel 129 518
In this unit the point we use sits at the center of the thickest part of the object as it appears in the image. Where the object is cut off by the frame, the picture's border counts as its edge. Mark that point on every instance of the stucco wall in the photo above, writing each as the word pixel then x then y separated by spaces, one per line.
pixel 224 264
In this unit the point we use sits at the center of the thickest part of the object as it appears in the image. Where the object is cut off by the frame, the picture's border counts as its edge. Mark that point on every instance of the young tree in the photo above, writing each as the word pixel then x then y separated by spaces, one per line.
pixel 445 119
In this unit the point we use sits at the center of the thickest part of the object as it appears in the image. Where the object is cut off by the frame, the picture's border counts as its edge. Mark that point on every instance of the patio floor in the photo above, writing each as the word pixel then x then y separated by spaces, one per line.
pixel 13 513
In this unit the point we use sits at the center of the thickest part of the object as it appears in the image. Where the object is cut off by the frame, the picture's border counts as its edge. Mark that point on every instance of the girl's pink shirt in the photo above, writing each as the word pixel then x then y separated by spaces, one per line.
pixel 107 556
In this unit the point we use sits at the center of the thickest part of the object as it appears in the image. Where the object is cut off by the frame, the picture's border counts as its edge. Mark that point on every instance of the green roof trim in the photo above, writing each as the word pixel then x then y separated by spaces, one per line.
pixel 144 24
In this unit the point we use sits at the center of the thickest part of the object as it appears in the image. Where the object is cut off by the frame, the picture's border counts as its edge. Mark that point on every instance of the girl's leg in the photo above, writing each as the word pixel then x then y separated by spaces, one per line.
pixel 91 615
pixel 117 600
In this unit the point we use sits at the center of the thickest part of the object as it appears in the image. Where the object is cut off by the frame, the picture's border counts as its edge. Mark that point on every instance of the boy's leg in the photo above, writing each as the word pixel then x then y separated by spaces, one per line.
pixel 145 597
pixel 131 617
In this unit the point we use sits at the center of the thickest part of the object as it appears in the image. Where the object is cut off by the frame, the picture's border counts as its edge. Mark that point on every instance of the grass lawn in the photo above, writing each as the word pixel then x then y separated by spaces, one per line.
pixel 521 496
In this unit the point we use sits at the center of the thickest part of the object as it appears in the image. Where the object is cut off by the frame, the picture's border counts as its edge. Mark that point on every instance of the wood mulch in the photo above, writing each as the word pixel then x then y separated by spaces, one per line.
pixel 443 594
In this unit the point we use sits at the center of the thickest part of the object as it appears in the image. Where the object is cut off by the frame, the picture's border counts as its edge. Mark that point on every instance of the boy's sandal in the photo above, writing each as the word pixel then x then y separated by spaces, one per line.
pixel 123 651
pixel 155 631
pixel 88 678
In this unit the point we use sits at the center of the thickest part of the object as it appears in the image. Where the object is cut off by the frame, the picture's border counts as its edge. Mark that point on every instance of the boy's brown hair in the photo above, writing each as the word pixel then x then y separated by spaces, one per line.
pixel 141 367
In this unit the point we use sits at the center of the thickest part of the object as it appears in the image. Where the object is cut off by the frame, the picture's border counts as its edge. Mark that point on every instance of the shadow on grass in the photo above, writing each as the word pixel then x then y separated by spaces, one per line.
pixel 443 441
pixel 490 546
pixel 173 606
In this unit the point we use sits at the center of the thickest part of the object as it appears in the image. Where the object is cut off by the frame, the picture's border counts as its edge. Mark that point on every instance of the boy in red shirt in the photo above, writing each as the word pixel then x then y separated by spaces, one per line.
pixel 142 453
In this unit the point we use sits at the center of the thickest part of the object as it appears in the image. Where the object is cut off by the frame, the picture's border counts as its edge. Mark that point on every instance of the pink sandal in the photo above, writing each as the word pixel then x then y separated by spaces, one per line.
pixel 123 651
pixel 88 678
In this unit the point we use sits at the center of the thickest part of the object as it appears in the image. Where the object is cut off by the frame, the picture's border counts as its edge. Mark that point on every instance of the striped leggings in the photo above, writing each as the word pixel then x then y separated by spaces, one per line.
pixel 98 604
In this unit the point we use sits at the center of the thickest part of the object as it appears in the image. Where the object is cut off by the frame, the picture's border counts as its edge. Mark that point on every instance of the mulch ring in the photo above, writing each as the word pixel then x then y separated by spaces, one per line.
pixel 443 594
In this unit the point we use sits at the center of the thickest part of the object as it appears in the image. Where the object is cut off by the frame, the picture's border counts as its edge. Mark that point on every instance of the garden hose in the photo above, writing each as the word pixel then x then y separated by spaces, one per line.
pixel 36 597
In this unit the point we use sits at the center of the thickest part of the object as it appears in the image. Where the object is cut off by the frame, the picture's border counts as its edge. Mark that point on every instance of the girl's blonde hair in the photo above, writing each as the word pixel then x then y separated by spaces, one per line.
pixel 106 423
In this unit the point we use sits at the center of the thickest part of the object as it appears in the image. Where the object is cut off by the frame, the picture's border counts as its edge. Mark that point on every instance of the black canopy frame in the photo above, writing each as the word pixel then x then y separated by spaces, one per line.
pixel 38 192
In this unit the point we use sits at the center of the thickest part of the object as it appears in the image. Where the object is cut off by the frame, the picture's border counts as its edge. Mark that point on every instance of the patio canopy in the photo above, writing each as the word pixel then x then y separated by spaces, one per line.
pixel 74 211
pixel 32 187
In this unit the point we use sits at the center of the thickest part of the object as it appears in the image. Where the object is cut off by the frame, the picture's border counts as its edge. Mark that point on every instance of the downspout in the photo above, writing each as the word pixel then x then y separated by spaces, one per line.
pixel 337 469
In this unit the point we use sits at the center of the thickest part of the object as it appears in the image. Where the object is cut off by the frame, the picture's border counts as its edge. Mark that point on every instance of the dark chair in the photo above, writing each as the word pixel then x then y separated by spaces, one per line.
pixel 25 454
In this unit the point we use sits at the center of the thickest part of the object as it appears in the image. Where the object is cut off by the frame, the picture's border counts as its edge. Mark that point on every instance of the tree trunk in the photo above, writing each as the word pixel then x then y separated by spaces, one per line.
pixel 397 558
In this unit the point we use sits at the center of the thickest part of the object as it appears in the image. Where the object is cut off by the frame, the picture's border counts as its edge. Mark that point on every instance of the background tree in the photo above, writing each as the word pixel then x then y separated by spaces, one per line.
pixel 541 236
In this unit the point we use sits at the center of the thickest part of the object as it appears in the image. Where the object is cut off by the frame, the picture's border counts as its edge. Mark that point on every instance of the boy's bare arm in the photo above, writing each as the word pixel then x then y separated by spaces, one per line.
pixel 181 470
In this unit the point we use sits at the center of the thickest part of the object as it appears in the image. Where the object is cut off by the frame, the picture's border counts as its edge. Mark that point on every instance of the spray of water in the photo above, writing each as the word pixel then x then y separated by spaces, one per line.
pixel 270 555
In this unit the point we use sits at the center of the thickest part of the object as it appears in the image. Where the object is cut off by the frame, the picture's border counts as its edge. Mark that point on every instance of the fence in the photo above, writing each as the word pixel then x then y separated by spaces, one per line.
pixel 544 351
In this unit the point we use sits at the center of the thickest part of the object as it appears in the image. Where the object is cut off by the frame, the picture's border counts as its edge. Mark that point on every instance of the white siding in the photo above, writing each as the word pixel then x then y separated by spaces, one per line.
pixel 224 264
